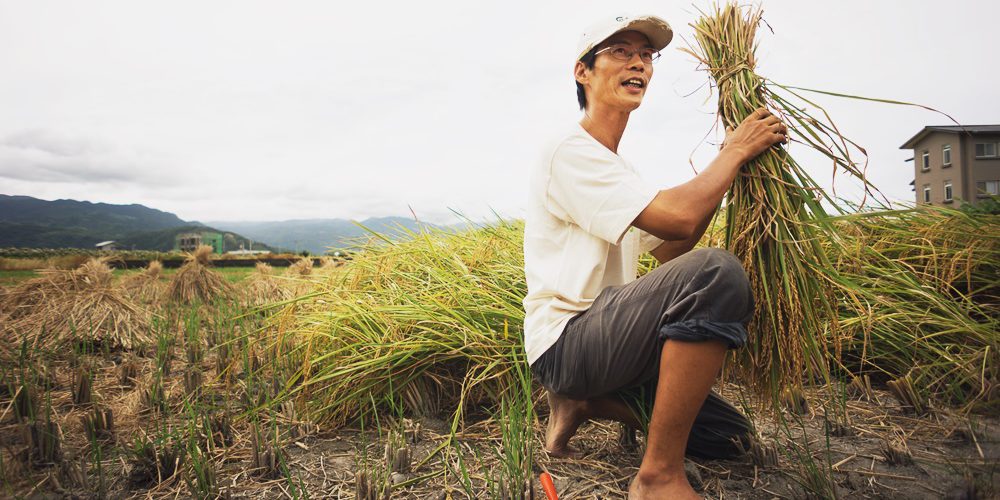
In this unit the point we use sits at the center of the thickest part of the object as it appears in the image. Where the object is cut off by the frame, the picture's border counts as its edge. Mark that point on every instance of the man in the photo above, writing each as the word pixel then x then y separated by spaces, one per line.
pixel 594 332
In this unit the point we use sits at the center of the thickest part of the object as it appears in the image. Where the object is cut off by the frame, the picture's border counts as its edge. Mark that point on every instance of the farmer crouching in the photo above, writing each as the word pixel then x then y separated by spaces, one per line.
pixel 600 340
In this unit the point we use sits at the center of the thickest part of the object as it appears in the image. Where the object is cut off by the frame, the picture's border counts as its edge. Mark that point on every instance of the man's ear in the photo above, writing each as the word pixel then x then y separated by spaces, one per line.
pixel 580 73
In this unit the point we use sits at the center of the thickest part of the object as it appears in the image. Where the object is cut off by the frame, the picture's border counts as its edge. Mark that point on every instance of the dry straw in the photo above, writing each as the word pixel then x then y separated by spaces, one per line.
pixel 263 288
pixel 80 305
pixel 145 286
pixel 194 281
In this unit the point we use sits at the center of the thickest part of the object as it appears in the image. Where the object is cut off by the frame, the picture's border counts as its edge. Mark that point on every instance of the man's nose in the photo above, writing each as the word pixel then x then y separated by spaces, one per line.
pixel 636 62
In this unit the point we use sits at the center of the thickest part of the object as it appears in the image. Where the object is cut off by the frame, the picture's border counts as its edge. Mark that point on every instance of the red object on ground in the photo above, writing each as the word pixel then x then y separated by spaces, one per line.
pixel 548 486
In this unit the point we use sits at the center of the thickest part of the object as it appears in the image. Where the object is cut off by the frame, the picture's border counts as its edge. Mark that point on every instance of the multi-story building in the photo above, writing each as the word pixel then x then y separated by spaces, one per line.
pixel 188 242
pixel 953 163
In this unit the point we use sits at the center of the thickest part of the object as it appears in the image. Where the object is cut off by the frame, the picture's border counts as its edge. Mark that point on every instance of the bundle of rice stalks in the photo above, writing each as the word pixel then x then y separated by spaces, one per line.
pixel 262 288
pixel 81 305
pixel 441 308
pixel 196 282
pixel 145 286
pixel 774 216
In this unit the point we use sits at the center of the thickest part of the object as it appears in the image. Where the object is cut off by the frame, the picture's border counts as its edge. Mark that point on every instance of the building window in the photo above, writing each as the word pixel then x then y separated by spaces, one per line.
pixel 946 155
pixel 927 193
pixel 925 161
pixel 947 191
pixel 986 150
pixel 985 189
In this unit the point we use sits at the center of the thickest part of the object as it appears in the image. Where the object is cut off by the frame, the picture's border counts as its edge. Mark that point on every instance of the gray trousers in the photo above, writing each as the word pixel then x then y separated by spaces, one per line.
pixel 614 348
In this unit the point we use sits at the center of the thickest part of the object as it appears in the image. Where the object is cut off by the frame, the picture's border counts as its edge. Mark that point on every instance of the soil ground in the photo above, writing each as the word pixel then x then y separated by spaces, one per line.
pixel 952 456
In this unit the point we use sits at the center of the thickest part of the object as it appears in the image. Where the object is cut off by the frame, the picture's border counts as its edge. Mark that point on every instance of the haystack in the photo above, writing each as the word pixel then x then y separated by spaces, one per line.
pixel 195 281
pixel 145 286
pixel 263 288
pixel 301 267
pixel 77 305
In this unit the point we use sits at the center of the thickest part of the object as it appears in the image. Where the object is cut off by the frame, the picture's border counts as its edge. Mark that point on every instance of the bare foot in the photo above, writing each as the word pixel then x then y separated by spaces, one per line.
pixel 673 487
pixel 565 417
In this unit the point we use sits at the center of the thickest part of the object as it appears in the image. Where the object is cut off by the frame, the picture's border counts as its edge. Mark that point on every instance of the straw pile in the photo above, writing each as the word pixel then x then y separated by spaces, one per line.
pixel 436 318
pixel 145 286
pixel 73 306
pixel 196 282
pixel 262 288
pixel 919 295
pixel 301 267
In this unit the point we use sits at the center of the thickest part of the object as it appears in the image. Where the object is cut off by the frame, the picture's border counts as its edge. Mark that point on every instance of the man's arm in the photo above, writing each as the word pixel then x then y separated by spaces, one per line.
pixel 670 249
pixel 681 213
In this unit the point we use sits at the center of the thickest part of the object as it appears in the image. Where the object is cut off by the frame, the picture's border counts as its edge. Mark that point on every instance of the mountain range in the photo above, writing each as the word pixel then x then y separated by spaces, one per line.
pixel 318 236
pixel 33 223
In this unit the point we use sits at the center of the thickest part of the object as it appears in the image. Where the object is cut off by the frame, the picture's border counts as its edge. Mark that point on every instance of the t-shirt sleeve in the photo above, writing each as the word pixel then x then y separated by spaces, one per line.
pixel 595 190
pixel 648 242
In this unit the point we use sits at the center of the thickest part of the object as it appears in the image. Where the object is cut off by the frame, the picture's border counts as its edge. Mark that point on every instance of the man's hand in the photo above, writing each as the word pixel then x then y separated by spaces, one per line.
pixel 756 134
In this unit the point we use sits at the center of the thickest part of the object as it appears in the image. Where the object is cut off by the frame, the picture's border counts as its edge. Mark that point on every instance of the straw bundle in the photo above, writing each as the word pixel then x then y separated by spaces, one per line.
pixel 301 267
pixel 196 282
pixel 774 220
pixel 77 305
pixel 145 286
pixel 262 288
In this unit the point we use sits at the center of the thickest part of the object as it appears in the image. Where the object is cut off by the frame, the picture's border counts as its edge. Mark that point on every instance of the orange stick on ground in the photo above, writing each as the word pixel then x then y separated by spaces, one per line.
pixel 548 486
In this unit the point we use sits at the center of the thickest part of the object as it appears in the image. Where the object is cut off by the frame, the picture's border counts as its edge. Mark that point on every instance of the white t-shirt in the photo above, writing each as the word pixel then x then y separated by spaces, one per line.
pixel 578 237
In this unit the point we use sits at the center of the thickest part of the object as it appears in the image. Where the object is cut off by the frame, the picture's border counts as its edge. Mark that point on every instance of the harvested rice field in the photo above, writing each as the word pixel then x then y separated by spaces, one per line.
pixel 400 375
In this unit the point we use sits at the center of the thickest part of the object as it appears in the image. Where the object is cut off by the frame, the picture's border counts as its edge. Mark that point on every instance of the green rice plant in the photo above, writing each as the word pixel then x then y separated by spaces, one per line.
pixel 513 478
pixel 154 459
pixel 441 308
pixel 201 476
pixel 192 335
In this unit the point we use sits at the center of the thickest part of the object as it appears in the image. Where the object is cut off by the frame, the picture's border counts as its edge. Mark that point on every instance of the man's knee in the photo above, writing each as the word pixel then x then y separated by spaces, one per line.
pixel 724 277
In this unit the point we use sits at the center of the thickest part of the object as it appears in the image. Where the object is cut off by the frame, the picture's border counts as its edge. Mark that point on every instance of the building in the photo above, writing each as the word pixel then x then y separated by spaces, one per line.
pixel 953 164
pixel 188 242
pixel 107 246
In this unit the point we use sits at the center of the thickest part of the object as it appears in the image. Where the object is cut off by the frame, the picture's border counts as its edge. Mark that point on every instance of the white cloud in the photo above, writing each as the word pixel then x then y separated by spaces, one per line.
pixel 259 110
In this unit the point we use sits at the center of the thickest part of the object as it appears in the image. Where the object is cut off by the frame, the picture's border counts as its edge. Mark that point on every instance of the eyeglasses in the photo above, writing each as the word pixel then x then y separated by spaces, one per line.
pixel 624 53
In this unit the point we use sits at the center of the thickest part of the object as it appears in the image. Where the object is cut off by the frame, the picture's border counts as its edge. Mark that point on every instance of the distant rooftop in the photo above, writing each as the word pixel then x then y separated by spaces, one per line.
pixel 103 243
pixel 954 129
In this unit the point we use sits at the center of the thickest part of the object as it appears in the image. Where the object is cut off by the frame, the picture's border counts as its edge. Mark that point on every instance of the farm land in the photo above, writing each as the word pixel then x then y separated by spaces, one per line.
pixel 398 375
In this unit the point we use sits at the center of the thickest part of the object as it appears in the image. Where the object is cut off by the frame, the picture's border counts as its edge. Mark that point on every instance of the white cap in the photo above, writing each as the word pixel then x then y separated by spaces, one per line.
pixel 656 29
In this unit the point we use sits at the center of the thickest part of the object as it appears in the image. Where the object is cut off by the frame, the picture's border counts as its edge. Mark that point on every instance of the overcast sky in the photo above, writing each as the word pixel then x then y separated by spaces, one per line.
pixel 291 110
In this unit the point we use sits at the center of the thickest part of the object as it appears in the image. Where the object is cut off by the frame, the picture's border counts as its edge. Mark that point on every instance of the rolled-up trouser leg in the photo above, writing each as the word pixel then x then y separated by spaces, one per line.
pixel 615 346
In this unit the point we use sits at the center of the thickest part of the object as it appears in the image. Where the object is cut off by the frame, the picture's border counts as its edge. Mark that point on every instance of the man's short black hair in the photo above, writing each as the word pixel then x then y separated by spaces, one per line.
pixel 588 61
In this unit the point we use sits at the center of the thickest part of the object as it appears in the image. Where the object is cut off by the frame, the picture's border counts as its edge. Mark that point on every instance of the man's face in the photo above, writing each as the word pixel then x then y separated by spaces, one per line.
pixel 615 83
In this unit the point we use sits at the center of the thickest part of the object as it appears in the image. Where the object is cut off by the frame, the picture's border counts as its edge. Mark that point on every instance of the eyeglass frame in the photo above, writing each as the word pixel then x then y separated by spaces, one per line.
pixel 654 54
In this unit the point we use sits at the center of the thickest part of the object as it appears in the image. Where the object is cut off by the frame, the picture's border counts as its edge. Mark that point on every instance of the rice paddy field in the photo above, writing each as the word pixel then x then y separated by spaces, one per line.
pixel 872 369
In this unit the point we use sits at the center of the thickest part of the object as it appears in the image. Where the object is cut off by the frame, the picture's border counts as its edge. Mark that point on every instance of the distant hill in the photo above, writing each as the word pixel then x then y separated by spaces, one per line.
pixel 317 236
pixel 33 223
pixel 109 221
